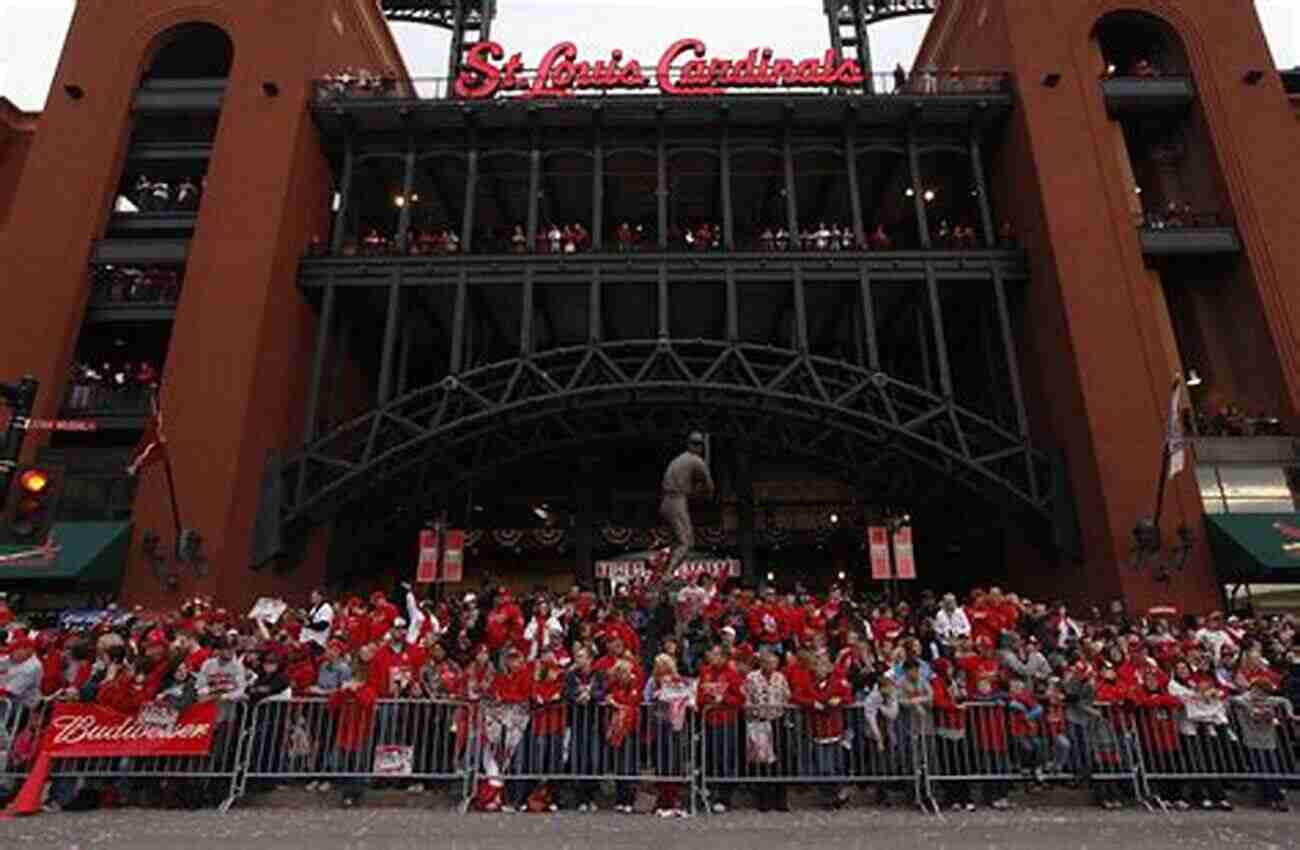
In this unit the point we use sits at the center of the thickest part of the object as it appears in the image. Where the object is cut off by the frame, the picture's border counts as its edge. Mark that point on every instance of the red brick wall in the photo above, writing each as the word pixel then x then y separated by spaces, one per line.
pixel 17 131
pixel 236 372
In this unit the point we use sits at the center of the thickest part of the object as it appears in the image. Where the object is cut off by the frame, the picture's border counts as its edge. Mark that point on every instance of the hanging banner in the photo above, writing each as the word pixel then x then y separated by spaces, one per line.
pixel 903 553
pixel 878 543
pixel 640 570
pixel 426 570
pixel 453 559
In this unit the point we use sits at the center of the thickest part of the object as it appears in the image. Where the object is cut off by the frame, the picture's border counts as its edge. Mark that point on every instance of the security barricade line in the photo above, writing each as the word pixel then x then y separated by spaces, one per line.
pixel 1193 749
pixel 997 744
pixel 19 728
pixel 576 746
pixel 210 777
pixel 354 742
pixel 839 747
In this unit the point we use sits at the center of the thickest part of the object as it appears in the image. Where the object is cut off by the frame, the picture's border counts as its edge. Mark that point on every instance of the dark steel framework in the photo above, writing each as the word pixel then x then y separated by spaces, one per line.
pixel 468 21
pixel 848 22
pixel 870 366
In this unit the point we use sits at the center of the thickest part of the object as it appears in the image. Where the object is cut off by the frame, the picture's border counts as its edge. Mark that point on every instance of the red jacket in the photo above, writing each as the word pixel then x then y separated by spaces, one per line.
pixel 946 713
pixel 765 624
pixel 505 624
pixel 1158 720
pixel 832 694
pixel 719 692
pixel 120 695
pixel 548 704
pixel 354 712
pixel 978 667
pixel 386 667
pixel 801 683
pixel 516 687
pixel 1021 725
pixel 989 723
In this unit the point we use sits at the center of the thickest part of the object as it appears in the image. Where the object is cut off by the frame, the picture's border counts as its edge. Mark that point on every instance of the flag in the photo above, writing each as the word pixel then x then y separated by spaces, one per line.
pixel 426 571
pixel 1175 444
pixel 152 447
pixel 453 559
pixel 878 541
pixel 903 555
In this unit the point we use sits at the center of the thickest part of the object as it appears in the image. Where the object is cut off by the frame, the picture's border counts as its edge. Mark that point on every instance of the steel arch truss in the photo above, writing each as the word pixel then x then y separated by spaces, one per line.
pixel 834 413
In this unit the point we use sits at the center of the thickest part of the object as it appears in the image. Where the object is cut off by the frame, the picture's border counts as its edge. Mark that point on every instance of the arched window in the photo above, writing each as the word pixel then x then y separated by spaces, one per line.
pixel 1135 44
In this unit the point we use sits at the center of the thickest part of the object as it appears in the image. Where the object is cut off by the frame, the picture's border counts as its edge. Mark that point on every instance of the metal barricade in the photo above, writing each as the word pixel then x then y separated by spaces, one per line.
pixel 837 747
pixel 575 747
pixel 210 778
pixel 19 727
pixel 354 745
pixel 993 745
pixel 1189 756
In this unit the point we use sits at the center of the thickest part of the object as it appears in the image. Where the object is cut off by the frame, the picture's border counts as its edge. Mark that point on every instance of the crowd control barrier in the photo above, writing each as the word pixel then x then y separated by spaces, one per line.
pixel 836 747
pixel 354 743
pixel 989 746
pixel 1190 753
pixel 646 749
pixel 1158 754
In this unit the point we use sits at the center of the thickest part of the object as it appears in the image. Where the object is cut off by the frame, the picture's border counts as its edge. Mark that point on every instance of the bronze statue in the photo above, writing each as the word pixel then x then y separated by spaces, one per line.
pixel 687 475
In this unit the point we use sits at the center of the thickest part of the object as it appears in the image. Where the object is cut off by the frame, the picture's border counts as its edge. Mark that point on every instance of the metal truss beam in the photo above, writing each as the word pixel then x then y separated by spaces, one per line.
pixel 843 415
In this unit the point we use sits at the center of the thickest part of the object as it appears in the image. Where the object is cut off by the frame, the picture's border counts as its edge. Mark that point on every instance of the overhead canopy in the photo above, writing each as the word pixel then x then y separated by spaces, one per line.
pixel 86 552
pixel 1256 545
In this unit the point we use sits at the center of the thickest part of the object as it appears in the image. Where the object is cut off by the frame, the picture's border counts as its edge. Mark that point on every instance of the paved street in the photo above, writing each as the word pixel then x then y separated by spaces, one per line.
pixel 382 829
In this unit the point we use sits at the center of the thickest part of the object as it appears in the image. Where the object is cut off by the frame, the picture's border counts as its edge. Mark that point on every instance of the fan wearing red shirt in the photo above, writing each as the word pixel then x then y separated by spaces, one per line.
pixel 544 740
pixel 824 709
pixel 505 623
pixel 719 696
pixel 616 652
pixel 765 623
pixel 984 665
pixel 1157 727
pixel 988 723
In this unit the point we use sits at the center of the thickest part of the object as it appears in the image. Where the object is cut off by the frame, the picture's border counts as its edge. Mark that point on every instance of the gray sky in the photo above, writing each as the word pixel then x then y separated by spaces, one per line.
pixel 32 32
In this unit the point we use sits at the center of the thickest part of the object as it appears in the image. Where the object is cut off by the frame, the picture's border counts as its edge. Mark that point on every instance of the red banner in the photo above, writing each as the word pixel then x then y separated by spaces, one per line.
pixel 85 730
pixel 426 570
pixel 878 542
pixel 903 553
pixel 453 560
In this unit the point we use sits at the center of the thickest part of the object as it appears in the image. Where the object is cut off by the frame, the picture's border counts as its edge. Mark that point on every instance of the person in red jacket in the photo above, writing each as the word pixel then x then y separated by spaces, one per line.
pixel 512 688
pixel 505 623
pixel 1026 728
pixel 719 697
pixel 765 623
pixel 1157 728
pixel 623 703
pixel 543 751
pixel 950 731
pixel 988 723
pixel 824 711
pixel 353 710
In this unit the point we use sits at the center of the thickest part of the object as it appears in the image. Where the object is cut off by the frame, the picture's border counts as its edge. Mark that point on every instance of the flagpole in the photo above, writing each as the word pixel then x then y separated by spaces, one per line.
pixel 1173 429
pixel 171 490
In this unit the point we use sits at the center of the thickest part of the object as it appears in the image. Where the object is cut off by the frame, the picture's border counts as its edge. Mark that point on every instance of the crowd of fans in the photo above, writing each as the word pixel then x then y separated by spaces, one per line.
pixel 575 238
pixel 1175 215
pixel 357 82
pixel 111 383
pixel 154 194
pixel 1229 420
pixel 888 672
pixel 136 284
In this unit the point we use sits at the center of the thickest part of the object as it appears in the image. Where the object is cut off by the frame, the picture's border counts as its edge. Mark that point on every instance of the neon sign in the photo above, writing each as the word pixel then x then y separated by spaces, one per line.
pixel 562 74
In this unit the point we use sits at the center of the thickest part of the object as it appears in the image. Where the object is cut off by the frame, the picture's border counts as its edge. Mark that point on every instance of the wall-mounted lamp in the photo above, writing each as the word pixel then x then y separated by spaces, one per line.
pixel 1193 379
pixel 270 89
pixel 1253 76
pixel 1052 80
pixel 74 91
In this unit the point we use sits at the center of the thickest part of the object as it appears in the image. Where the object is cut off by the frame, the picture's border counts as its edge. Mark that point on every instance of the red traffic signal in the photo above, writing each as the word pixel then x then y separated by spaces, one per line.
pixel 31 506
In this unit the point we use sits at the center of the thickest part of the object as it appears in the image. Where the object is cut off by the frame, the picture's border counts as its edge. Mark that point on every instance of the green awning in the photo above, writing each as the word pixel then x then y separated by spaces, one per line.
pixel 88 552
pixel 1254 545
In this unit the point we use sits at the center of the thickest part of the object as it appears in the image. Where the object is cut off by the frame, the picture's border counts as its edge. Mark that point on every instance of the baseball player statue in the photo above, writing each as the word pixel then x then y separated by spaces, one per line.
pixel 687 475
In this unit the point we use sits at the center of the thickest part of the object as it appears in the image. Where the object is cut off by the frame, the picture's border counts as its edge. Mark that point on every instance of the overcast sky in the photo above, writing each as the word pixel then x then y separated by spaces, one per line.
pixel 32 32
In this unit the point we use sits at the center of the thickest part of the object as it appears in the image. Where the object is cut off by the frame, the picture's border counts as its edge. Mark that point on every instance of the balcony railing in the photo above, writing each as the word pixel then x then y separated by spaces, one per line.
pixel 189 95
pixel 1137 94
pixel 134 292
pixel 90 401
pixel 355 87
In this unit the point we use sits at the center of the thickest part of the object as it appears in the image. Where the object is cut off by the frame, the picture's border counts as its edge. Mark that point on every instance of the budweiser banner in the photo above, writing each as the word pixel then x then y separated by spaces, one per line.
pixel 81 730
pixel 426 571
pixel 878 541
pixel 903 553
pixel 453 559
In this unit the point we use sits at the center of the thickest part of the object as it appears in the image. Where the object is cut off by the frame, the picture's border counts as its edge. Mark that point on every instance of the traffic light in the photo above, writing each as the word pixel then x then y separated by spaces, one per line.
pixel 32 504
